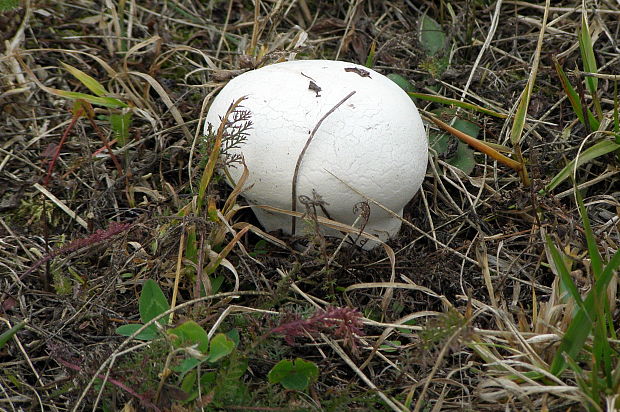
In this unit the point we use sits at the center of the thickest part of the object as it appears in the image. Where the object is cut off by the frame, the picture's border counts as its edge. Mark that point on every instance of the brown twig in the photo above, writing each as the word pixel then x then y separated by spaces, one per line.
pixel 303 152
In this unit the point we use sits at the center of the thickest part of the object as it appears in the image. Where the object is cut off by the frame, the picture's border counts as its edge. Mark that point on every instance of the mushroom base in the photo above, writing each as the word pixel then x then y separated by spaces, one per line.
pixel 381 225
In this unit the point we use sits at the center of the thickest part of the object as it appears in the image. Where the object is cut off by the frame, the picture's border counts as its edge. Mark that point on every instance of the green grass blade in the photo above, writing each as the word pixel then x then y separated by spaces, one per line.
pixel 565 276
pixel 606 275
pixel 572 341
pixel 521 113
pixel 120 126
pixel 580 327
pixel 524 100
pixel 574 100
pixel 457 103
pixel 599 149
pixel 7 335
pixel 88 81
pixel 96 100
pixel 601 349
pixel 587 53
pixel 595 256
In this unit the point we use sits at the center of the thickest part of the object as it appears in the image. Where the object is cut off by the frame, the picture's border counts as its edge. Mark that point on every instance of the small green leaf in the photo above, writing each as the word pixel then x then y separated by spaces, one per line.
pixel 147 334
pixel 233 335
pixel 186 365
pixel 221 346
pixel 294 375
pixel 8 335
pixel 88 81
pixel 432 37
pixel 402 82
pixel 260 248
pixel 153 302
pixel 190 333
pixel 463 157
pixel 188 384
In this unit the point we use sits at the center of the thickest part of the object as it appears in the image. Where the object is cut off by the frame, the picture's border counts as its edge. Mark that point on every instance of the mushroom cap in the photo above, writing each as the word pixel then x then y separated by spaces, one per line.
pixel 375 141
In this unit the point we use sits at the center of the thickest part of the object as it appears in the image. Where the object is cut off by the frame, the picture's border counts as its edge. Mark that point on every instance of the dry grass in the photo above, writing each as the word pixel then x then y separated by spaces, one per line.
pixel 473 306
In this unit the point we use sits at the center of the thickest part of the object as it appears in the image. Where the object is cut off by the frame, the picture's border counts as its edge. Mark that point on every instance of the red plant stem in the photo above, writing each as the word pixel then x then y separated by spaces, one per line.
pixel 96 237
pixel 106 144
pixel 113 381
pixel 52 162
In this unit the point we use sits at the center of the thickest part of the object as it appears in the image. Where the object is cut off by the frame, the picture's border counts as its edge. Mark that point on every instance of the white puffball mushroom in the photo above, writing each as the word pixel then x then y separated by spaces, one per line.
pixel 374 141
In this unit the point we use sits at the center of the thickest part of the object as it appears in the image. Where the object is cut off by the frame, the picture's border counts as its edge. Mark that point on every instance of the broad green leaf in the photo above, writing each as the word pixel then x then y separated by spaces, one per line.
pixel 153 302
pixel 88 81
pixel 8 335
pixel 574 100
pixel 432 37
pixel 147 334
pixel 220 346
pixel 587 53
pixel 599 149
pixel 467 127
pixel 190 333
pixel 294 375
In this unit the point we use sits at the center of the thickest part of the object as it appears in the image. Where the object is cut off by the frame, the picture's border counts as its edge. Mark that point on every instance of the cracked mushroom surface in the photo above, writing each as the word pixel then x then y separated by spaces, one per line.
pixel 355 128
